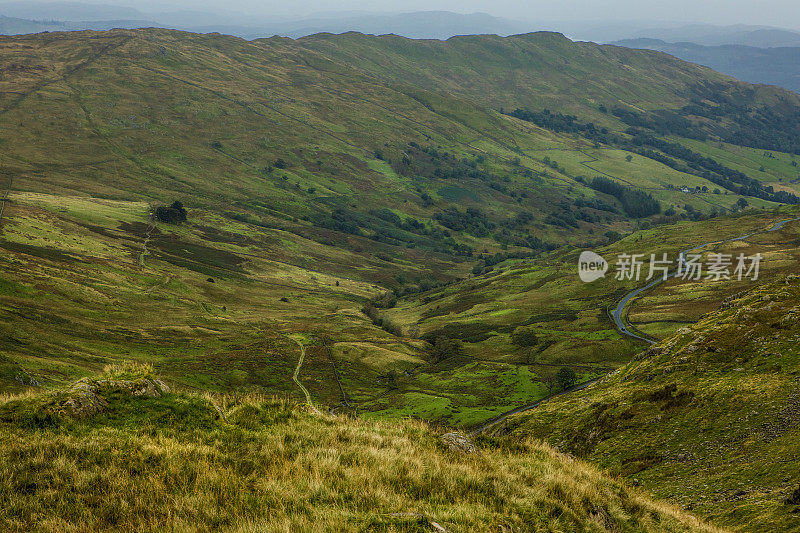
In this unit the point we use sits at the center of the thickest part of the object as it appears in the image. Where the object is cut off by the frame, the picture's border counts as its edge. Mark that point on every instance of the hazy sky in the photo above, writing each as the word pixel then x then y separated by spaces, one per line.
pixel 784 13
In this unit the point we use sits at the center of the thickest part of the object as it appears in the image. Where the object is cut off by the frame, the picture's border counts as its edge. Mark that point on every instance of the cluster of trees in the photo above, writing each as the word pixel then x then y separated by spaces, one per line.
pixel 472 221
pixel 707 167
pixel 596 204
pixel 172 214
pixel 445 348
pixel 431 163
pixel 385 323
pixel 556 121
pixel 524 337
pixel 739 119
pixel 387 227
pixel 635 203
pixel 663 122
pixel 745 124
pixel 563 124
pixel 563 218
pixel 565 378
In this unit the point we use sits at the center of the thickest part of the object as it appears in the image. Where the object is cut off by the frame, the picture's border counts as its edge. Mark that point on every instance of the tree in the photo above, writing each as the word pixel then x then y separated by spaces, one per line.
pixel 548 377
pixel 174 214
pixel 629 158
pixel 742 203
pixel 566 378
pixel 524 337
pixel 390 379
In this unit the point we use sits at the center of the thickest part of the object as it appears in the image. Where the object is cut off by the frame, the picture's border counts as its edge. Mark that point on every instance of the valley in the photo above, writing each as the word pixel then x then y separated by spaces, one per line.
pixel 366 241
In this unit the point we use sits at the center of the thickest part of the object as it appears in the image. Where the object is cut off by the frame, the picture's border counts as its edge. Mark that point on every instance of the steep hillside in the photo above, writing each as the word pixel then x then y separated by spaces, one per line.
pixel 708 418
pixel 117 452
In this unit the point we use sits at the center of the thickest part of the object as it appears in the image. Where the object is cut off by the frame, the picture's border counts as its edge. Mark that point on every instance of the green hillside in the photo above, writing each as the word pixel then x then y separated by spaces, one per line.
pixel 707 418
pixel 388 229
pixel 315 185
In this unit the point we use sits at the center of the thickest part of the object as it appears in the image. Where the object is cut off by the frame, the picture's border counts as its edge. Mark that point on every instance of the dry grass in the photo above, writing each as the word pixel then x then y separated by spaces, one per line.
pixel 172 463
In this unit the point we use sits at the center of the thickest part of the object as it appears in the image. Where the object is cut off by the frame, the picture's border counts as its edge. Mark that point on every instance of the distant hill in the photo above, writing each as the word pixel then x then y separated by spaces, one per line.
pixel 759 37
pixel 68 11
pixel 32 17
pixel 704 34
pixel 416 25
pixel 773 66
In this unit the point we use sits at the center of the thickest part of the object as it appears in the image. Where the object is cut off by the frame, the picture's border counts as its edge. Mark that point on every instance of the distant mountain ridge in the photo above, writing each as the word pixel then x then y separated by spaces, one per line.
pixel 772 66
pixel 32 17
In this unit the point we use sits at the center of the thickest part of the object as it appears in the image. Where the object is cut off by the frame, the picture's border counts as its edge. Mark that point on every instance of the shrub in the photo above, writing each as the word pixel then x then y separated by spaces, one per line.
pixel 445 348
pixel 524 337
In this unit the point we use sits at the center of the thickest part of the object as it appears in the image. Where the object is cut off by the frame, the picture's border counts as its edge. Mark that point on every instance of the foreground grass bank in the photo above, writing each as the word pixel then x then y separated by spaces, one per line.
pixel 153 460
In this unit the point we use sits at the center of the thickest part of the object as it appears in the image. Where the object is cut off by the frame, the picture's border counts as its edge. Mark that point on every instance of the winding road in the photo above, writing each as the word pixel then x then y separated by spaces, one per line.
pixel 618 312
pixel 502 416
pixel 617 315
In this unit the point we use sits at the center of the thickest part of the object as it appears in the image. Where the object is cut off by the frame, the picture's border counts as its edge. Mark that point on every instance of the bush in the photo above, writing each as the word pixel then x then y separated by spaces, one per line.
pixel 444 348
pixel 794 499
pixel 524 337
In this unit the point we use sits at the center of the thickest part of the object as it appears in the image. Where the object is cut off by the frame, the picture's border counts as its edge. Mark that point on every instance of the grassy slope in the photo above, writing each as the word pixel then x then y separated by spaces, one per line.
pixel 171 462
pixel 707 418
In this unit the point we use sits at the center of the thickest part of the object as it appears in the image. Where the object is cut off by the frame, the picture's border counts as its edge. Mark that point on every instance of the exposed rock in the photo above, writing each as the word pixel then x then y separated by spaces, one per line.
pixel 84 398
pixel 650 352
pixel 422 520
pixel 459 443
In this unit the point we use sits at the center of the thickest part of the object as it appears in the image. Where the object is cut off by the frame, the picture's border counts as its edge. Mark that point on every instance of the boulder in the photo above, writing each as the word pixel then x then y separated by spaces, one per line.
pixel 459 443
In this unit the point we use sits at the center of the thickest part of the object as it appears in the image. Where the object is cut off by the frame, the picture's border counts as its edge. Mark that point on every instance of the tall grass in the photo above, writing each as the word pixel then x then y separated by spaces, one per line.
pixel 172 463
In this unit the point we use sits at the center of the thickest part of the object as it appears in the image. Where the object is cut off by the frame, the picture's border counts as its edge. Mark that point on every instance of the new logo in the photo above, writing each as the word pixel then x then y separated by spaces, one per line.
pixel 591 267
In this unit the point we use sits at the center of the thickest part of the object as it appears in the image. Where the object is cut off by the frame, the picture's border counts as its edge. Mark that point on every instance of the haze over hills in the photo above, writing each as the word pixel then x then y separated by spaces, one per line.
pixel 429 24
pixel 702 34
pixel 60 16
pixel 377 227
pixel 775 66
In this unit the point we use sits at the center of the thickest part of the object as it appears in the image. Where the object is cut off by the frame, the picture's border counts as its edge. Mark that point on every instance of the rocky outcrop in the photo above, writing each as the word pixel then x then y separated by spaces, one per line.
pixel 85 398
pixel 459 443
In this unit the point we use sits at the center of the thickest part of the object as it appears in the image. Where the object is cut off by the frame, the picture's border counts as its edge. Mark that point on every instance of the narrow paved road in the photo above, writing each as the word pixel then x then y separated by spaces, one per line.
pixel 621 326
pixel 618 313
pixel 499 418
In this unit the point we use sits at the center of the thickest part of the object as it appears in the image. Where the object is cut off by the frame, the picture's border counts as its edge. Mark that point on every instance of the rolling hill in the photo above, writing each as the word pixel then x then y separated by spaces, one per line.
pixel 327 176
pixel 168 460
pixel 198 232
